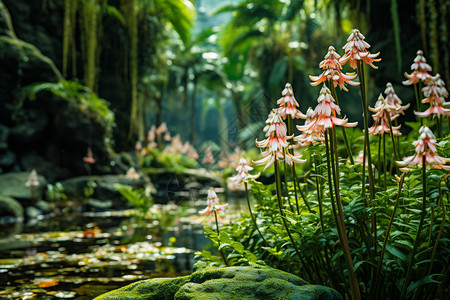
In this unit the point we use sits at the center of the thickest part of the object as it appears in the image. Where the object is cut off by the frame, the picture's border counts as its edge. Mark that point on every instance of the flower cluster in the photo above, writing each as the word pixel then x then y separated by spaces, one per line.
pixel 382 113
pixel 435 93
pixel 356 50
pixel 332 71
pixel 425 147
pixel 132 174
pixel 420 70
pixel 208 158
pixel 309 137
pixel 288 104
pixel 276 143
pixel 32 180
pixel 392 100
pixel 325 112
pixel 89 158
pixel 243 176
pixel 212 203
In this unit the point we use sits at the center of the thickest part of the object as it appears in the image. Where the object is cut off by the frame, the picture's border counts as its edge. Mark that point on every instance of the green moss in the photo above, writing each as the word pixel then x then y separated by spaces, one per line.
pixel 226 283
pixel 154 289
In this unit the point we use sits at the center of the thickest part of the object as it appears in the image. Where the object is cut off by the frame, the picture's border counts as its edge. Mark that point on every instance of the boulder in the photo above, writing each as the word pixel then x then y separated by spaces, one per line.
pixel 243 282
pixel 13 185
pixel 10 207
pixel 103 187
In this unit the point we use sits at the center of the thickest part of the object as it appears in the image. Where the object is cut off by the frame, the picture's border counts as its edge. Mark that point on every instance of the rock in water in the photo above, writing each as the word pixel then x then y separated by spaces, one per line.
pixel 243 282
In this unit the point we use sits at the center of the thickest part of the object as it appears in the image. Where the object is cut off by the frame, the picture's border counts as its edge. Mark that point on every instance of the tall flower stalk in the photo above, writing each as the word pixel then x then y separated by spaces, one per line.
pixel 334 76
pixel 418 76
pixel 276 146
pixel 357 55
pixel 394 101
pixel 242 177
pixel 425 154
pixel 288 110
pixel 435 94
pixel 326 119
pixel 383 116
pixel 213 206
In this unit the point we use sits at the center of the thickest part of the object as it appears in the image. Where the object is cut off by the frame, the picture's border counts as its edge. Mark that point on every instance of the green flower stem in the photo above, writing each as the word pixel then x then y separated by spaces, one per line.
pixel 379 162
pixel 354 285
pixel 416 94
pixel 419 230
pixel 441 229
pixel 287 190
pixel 319 196
pixel 218 239
pixel 396 156
pixel 294 175
pixel 438 126
pixel 366 129
pixel 330 183
pixel 283 218
pixel 253 216
pixel 384 161
pixel 347 145
pixel 300 190
pixel 375 290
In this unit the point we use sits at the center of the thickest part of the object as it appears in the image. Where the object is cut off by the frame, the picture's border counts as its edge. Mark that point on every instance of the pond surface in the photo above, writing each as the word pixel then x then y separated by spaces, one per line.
pixel 80 255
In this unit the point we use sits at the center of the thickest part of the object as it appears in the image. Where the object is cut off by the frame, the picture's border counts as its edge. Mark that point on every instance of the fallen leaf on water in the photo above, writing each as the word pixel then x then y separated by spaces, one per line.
pixel 45 283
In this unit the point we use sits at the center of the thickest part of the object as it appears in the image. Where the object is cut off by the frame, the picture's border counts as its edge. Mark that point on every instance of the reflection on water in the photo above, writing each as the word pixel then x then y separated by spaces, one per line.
pixel 82 255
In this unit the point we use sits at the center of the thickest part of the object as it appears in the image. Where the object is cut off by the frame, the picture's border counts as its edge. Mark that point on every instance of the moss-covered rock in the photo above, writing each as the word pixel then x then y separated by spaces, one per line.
pixel 157 288
pixel 13 185
pixel 10 206
pixel 225 283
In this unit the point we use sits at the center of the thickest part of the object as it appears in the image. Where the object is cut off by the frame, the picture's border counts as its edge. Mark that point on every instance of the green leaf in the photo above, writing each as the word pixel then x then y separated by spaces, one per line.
pixel 395 252
pixel 238 247
pixel 424 280
pixel 223 246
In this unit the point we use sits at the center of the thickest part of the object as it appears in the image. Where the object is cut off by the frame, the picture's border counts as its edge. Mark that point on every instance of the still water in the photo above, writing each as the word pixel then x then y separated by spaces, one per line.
pixel 80 255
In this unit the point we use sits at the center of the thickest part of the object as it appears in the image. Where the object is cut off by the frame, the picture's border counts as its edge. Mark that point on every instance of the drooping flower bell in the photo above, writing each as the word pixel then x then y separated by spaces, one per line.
pixel 243 174
pixel 89 158
pixel 425 147
pixel 276 143
pixel 32 180
pixel 420 70
pixel 208 158
pixel 356 49
pixel 212 203
pixel 382 112
pixel 161 129
pixel 132 174
pixel 309 137
pixel 332 71
pixel 325 112
pixel 435 93
pixel 392 100
pixel 288 104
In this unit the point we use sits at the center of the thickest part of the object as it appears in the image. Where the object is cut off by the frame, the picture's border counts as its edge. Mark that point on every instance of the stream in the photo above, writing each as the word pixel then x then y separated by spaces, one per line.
pixel 80 255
